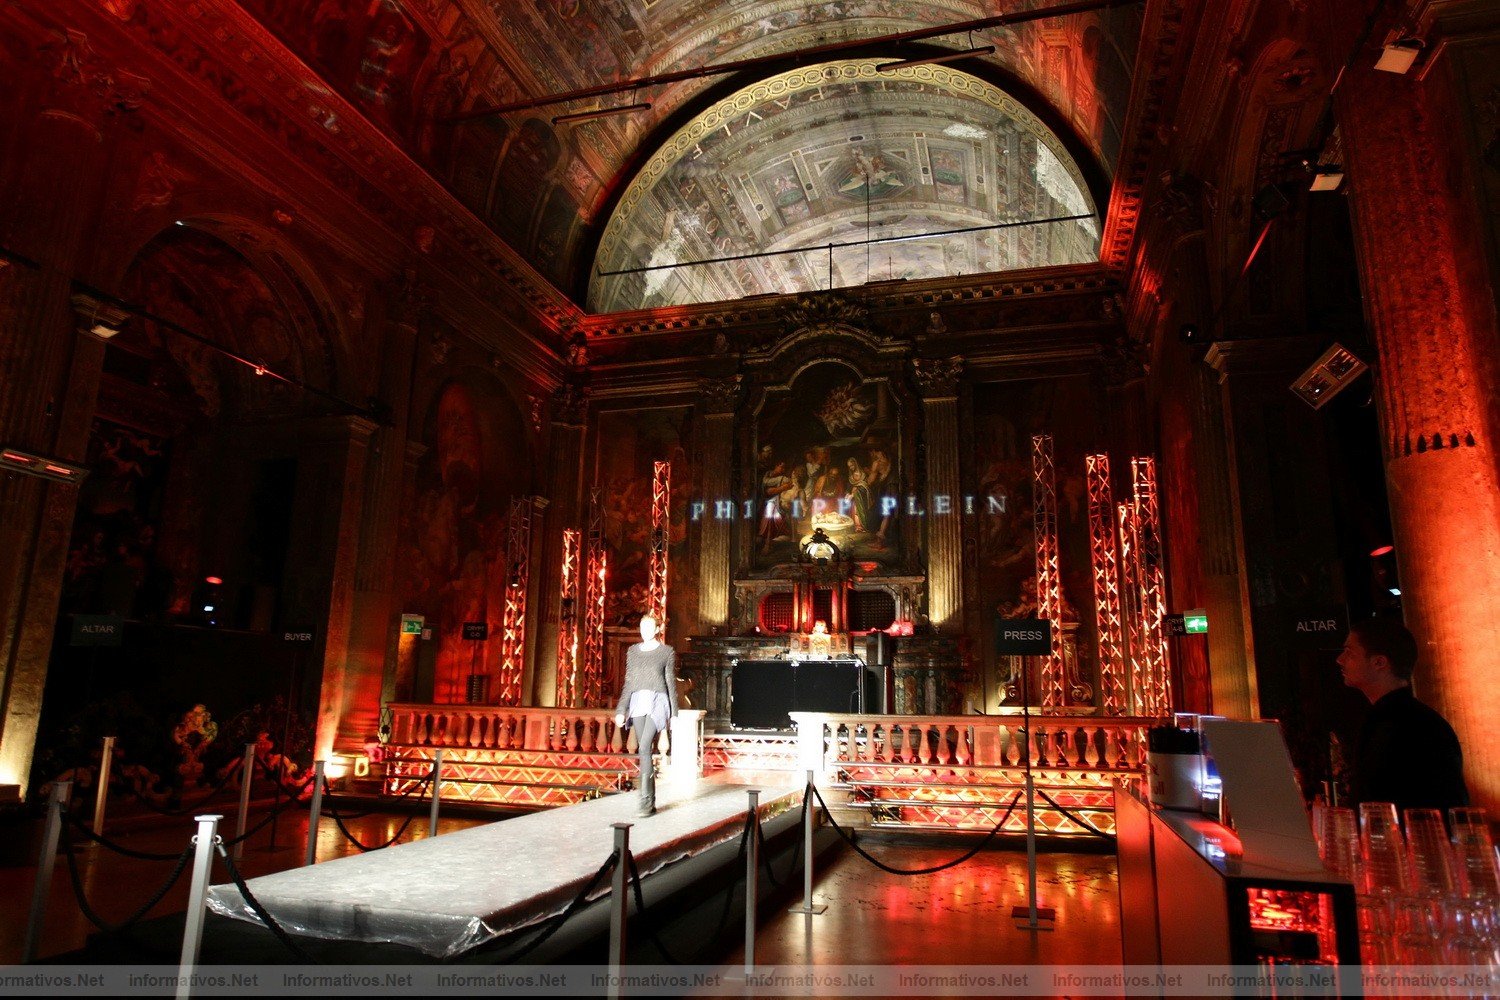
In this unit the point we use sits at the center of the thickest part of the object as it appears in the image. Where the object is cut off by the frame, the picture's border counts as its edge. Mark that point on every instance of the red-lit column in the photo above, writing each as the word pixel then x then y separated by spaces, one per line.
pixel 564 479
pixel 1422 196
pixel 49 372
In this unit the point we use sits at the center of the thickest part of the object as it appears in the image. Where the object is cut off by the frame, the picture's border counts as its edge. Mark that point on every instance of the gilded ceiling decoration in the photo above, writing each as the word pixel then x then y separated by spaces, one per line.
pixel 547 190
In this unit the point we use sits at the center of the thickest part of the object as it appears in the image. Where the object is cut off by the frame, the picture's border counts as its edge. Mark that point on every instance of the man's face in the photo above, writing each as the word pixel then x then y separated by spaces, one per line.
pixel 1360 669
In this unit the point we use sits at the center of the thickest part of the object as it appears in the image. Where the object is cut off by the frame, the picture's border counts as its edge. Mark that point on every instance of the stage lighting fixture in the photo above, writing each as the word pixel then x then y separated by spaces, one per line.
pixel 16 460
pixel 1399 55
pixel 1326 177
pixel 946 57
pixel 1381 550
pixel 1334 369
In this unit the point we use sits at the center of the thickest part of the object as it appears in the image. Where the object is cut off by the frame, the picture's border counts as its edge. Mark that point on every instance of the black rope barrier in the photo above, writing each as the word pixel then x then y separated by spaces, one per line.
pixel 259 826
pixel 555 924
pixel 214 789
pixel 1091 828
pixel 295 793
pixel 765 859
pixel 128 852
pixel 88 911
pixel 259 910
pixel 338 820
pixel 914 871
pixel 640 911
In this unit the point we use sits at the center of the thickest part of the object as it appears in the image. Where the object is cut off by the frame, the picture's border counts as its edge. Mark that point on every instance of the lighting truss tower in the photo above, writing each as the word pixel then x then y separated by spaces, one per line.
pixel 661 532
pixel 1153 586
pixel 567 623
pixel 1130 605
pixel 513 622
pixel 1048 583
pixel 593 694
pixel 1104 552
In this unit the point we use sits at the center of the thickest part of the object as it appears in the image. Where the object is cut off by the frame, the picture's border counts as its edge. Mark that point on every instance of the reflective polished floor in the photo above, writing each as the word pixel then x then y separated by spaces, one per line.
pixel 960 916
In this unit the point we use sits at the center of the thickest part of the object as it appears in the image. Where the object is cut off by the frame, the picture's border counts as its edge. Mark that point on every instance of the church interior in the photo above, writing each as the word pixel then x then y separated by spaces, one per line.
pixel 372 367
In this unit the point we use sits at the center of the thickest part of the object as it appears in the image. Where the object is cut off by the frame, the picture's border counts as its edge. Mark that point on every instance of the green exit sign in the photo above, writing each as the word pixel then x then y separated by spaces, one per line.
pixel 1195 622
pixel 412 624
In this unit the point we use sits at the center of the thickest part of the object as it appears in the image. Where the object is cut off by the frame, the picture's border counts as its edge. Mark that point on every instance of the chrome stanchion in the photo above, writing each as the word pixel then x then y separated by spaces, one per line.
pixel 437 781
pixel 808 815
pixel 101 794
pixel 752 873
pixel 314 813
pixel 247 774
pixel 45 862
pixel 192 933
pixel 619 904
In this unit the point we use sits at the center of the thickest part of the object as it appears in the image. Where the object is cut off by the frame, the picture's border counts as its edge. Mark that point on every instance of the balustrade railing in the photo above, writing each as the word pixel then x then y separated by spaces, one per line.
pixel 1058 743
pixel 506 727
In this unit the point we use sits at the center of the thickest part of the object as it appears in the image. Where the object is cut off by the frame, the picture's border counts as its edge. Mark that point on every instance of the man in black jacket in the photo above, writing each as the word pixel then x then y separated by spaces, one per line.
pixel 1407 753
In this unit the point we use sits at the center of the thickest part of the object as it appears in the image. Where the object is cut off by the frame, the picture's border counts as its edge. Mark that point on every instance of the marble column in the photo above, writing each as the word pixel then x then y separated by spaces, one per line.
pixel 564 510
pixel 720 397
pixel 937 380
pixel 49 371
pixel 1422 153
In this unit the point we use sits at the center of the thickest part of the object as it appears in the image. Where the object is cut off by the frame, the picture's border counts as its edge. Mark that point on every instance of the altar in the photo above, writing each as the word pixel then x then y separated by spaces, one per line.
pixel 763 692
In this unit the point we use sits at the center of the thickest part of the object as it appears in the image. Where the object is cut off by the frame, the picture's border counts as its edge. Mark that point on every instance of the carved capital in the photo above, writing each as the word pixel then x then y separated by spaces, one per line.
pixel 570 404
pixel 721 395
pixel 937 378
pixel 97 317
pixel 413 300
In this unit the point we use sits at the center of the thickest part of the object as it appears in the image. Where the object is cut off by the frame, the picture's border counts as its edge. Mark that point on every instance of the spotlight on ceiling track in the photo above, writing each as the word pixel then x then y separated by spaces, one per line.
pixel 1334 369
pixel 584 116
pixel 1398 56
pixel 946 57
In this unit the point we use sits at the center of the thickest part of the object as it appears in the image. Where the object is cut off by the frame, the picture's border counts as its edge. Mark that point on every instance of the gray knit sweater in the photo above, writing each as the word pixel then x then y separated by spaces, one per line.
pixel 654 670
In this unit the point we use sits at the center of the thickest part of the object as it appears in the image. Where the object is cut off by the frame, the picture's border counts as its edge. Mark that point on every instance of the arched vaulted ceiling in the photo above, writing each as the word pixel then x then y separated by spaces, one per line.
pixel 549 189
pixel 835 155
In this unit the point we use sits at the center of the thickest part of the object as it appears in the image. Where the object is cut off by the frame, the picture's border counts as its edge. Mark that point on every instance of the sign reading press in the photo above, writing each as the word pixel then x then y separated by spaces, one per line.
pixel 1023 636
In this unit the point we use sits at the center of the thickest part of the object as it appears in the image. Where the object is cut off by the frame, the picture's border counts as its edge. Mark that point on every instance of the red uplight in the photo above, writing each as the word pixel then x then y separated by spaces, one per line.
pixel 212 580
pixel 1383 550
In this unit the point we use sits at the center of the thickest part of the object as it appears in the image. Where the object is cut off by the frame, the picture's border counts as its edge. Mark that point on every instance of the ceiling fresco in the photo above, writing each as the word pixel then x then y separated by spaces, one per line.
pixel 843 154
pixel 548 190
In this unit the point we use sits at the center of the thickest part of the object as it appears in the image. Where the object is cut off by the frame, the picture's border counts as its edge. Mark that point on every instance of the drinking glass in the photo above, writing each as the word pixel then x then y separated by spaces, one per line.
pixel 1382 848
pixel 1428 853
pixel 1474 853
pixel 1340 843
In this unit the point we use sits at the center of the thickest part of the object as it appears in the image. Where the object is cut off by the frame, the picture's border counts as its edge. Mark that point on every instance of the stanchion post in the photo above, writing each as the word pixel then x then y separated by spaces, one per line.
pixel 809 812
pixel 192 932
pixel 247 774
pixel 101 794
pixel 44 865
pixel 437 784
pixel 314 813
pixel 752 877
pixel 619 904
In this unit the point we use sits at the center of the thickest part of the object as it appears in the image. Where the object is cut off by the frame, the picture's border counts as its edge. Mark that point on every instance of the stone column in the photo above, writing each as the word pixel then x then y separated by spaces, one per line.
pixel 1283 515
pixel 373 637
pixel 720 398
pixel 400 678
pixel 344 457
pixel 49 373
pixel 937 380
pixel 564 477
pixel 1424 187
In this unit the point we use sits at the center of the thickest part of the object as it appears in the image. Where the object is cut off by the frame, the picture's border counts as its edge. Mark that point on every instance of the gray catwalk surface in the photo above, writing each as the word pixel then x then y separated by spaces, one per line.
pixel 446 894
